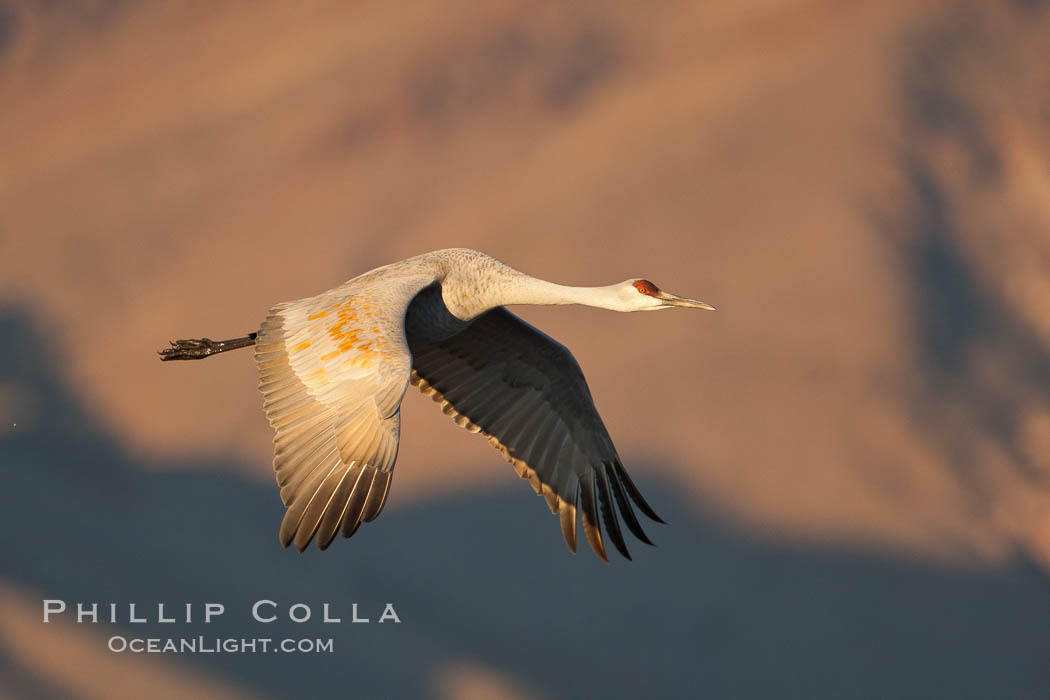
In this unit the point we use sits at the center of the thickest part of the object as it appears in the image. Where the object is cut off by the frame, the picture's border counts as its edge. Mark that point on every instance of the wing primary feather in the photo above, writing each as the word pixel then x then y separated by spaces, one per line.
pixel 290 453
pixel 352 516
pixel 352 530
pixel 360 472
pixel 298 474
pixel 589 507
pixel 351 434
pixel 329 527
pixel 552 499
pixel 525 438
pixel 612 523
pixel 376 496
pixel 361 441
pixel 553 449
pixel 567 513
pixel 319 505
pixel 384 454
pixel 532 437
pixel 636 495
pixel 625 506
pixel 294 515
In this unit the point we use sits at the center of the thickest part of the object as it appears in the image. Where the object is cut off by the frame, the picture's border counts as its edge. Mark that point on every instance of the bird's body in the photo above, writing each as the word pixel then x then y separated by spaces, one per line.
pixel 334 368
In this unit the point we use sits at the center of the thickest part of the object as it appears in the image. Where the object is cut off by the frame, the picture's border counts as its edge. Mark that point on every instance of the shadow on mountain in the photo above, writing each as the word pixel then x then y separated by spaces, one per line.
pixel 958 321
pixel 962 324
pixel 485 577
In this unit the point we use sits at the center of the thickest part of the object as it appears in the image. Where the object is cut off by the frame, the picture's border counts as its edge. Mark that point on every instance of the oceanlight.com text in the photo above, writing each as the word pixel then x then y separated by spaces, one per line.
pixel 218 645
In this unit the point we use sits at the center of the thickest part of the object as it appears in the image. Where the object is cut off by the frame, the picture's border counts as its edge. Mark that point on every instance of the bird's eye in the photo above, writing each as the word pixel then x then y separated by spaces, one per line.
pixel 645 287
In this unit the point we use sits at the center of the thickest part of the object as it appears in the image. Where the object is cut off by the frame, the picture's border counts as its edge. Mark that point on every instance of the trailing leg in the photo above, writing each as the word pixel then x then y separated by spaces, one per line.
pixel 198 349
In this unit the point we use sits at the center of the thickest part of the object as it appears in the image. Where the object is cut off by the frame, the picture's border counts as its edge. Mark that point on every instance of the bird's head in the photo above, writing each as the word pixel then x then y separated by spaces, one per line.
pixel 643 295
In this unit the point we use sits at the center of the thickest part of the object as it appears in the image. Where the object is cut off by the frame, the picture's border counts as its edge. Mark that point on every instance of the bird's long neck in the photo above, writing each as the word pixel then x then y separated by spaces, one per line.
pixel 473 283
pixel 530 290
pixel 513 287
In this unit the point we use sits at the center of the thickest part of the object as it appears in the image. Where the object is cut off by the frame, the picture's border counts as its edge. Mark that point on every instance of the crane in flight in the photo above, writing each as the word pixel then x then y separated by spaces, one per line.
pixel 333 369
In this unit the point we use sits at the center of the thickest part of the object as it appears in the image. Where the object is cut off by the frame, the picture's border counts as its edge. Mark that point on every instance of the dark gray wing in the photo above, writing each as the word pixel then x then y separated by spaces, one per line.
pixel 525 391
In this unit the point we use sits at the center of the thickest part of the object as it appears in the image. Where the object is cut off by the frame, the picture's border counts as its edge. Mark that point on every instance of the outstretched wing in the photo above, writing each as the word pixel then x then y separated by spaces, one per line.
pixel 526 393
pixel 333 369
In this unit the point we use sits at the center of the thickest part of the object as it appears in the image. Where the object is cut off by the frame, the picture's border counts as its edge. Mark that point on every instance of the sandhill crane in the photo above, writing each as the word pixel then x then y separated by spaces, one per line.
pixel 334 368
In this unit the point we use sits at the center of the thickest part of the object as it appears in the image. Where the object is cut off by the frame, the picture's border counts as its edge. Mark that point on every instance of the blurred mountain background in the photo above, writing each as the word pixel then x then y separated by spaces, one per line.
pixel 853 452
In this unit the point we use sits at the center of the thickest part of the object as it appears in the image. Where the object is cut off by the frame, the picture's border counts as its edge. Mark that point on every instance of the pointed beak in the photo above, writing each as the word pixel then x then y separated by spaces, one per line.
pixel 672 300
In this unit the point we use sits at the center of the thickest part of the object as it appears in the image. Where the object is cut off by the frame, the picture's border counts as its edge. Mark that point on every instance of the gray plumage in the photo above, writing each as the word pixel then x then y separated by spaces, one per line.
pixel 334 368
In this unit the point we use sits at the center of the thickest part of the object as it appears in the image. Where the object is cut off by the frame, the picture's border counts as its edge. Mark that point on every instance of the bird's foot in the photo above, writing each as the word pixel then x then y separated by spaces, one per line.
pixel 192 349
